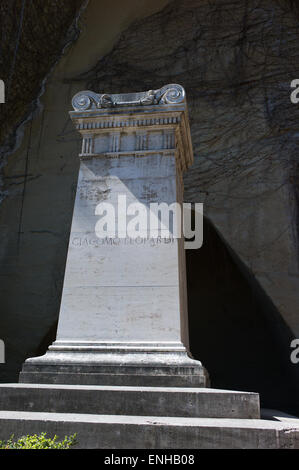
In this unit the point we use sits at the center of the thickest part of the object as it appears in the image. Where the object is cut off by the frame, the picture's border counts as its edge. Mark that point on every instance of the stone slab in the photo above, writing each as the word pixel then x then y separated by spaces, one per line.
pixel 115 379
pixel 139 432
pixel 121 375
pixel 146 401
pixel 123 313
pixel 277 415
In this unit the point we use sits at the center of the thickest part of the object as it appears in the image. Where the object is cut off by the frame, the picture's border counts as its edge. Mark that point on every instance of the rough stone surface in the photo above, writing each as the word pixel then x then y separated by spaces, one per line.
pixel 136 401
pixel 146 432
pixel 150 376
pixel 27 28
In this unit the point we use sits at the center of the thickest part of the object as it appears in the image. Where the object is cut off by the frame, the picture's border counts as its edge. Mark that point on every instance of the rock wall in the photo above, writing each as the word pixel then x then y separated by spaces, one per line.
pixel 33 36
pixel 236 60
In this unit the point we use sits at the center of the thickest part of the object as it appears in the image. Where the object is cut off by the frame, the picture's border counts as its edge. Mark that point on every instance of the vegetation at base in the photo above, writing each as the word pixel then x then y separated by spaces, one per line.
pixel 39 442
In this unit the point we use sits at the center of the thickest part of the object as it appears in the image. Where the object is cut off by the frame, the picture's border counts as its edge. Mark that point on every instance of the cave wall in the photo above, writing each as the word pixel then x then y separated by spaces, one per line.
pixel 33 35
pixel 236 60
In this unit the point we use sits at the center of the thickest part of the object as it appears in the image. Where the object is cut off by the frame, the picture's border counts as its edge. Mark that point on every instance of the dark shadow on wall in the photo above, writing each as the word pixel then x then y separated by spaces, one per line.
pixel 47 340
pixel 235 330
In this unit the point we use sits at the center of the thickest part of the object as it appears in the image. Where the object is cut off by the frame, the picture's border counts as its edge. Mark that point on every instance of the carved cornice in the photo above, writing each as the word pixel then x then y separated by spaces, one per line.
pixel 95 124
pixel 104 121
pixel 167 95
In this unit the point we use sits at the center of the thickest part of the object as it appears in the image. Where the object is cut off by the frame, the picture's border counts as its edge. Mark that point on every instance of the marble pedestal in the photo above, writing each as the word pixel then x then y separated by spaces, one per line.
pixel 123 317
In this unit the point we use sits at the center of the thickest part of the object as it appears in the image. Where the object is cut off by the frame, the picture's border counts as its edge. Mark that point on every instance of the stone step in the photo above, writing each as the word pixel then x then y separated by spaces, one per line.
pixel 140 401
pixel 124 379
pixel 117 374
pixel 148 432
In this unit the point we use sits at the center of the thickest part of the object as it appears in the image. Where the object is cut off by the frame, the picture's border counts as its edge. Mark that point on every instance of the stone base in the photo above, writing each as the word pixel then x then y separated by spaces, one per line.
pixel 147 432
pixel 142 417
pixel 137 395
pixel 139 401
pixel 124 364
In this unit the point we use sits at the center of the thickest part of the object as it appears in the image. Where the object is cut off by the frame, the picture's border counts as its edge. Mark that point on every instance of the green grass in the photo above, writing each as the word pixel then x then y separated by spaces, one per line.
pixel 39 442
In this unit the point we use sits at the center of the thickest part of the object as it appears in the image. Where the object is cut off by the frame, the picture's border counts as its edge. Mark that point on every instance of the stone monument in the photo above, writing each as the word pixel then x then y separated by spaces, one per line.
pixel 123 317
pixel 120 374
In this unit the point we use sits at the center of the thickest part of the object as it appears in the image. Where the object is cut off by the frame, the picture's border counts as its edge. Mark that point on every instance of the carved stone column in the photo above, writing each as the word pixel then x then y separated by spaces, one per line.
pixel 123 317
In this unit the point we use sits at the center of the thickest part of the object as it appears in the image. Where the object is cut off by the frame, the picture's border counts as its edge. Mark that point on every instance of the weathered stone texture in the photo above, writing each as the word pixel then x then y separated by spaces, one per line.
pixel 33 35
